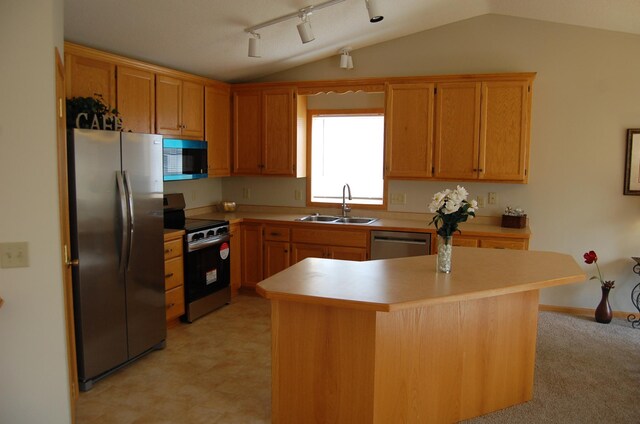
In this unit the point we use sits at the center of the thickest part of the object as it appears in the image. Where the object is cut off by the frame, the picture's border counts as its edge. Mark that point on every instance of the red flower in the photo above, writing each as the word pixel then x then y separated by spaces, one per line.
pixel 590 257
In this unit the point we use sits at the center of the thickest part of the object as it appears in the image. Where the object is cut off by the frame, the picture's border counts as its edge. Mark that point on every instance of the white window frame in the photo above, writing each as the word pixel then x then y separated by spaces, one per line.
pixel 340 112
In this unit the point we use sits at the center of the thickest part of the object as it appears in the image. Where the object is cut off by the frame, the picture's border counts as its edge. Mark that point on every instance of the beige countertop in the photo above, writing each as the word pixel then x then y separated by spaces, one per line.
pixel 478 227
pixel 392 284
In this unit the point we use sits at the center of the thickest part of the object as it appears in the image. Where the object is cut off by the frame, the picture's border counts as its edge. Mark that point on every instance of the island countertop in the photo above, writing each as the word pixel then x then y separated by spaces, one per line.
pixel 394 284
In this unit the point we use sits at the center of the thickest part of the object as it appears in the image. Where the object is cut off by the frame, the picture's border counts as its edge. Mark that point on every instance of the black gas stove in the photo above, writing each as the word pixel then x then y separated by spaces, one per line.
pixel 207 258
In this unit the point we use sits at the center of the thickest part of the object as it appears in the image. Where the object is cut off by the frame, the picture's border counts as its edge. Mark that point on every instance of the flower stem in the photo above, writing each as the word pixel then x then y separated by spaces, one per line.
pixel 599 273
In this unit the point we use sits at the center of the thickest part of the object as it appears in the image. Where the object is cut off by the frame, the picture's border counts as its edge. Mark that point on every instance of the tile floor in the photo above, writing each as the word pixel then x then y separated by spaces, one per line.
pixel 216 370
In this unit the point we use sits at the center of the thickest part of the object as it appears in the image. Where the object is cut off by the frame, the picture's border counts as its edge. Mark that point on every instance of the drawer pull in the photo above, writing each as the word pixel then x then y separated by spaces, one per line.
pixel 274 234
pixel 169 275
pixel 171 305
pixel 168 250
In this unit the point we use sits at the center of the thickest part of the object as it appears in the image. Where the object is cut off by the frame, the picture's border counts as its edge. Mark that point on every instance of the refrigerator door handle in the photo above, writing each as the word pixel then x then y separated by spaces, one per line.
pixel 131 219
pixel 124 215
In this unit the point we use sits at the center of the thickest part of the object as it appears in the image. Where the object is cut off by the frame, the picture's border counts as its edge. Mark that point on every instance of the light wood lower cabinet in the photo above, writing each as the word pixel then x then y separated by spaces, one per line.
pixel 173 277
pixel 251 255
pixel 308 242
pixel 491 242
pixel 276 249
pixel 235 244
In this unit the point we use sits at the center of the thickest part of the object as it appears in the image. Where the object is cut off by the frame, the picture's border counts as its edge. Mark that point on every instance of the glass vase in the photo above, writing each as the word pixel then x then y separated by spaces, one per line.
pixel 445 244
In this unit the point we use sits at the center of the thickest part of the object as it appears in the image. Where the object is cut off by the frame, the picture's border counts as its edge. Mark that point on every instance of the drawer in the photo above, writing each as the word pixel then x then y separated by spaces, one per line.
pixel 173 273
pixel 276 233
pixel 465 242
pixel 503 244
pixel 172 249
pixel 174 299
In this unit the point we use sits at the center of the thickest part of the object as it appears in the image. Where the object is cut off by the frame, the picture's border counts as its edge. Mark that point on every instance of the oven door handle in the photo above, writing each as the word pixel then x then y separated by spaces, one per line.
pixel 203 244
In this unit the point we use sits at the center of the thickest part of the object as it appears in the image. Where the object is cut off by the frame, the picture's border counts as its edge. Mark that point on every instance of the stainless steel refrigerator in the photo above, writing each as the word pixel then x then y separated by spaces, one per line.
pixel 116 217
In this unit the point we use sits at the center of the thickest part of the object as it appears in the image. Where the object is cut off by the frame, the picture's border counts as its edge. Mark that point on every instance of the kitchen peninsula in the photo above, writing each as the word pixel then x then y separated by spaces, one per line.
pixel 394 341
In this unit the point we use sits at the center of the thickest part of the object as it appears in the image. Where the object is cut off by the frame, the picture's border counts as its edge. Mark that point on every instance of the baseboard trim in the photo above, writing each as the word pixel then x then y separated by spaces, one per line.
pixel 581 311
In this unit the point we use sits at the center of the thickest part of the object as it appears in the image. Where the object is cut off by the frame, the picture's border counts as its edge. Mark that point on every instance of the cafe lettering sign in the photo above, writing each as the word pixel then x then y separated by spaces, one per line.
pixel 98 122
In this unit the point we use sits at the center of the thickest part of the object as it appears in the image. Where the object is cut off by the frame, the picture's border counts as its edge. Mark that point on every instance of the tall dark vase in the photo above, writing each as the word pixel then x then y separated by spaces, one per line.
pixel 603 311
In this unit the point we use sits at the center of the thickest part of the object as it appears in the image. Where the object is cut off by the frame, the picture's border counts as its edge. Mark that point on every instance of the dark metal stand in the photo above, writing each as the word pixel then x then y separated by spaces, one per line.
pixel 635 297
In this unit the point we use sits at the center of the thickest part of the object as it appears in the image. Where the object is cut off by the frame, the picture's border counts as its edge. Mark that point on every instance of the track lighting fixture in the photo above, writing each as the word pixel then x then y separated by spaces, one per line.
pixel 304 27
pixel 346 61
pixel 254 45
pixel 373 8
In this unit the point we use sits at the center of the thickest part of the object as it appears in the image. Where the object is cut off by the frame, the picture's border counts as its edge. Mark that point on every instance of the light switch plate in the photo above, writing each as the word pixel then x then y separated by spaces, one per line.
pixel 492 198
pixel 398 198
pixel 14 255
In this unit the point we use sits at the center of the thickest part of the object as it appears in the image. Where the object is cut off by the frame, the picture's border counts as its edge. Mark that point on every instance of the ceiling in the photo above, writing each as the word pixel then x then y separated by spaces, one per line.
pixel 207 37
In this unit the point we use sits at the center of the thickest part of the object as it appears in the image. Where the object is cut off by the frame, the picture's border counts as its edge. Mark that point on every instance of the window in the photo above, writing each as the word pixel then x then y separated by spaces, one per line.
pixel 347 147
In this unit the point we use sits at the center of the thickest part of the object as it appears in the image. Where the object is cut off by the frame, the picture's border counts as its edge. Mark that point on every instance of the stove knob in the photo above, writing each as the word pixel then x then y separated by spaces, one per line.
pixel 211 233
pixel 197 236
pixel 223 230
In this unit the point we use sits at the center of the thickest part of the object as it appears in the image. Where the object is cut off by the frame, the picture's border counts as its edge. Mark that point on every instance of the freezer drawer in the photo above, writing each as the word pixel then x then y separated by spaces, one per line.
pixel 399 244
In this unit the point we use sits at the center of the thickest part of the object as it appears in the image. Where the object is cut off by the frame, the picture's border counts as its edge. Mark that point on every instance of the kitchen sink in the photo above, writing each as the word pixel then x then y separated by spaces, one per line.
pixel 318 218
pixel 355 220
pixel 337 219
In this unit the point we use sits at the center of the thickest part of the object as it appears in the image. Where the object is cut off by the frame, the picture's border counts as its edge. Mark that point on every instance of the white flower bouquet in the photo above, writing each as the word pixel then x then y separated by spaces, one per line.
pixel 451 208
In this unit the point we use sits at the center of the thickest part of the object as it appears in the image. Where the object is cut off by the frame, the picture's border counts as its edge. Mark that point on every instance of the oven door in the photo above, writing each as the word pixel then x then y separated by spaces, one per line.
pixel 207 267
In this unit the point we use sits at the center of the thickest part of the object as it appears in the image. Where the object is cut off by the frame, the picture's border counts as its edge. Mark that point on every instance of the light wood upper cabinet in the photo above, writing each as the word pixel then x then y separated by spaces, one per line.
pixel 409 130
pixel 504 136
pixel 217 122
pixel 179 107
pixel 136 99
pixel 86 77
pixel 247 133
pixel 269 132
pixel 457 130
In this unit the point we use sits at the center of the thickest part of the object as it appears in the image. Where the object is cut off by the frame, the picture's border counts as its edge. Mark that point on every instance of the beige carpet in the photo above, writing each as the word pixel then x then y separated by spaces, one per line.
pixel 217 370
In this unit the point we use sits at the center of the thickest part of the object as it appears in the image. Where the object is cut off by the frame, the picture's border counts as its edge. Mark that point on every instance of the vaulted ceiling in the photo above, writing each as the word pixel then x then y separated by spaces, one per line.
pixel 207 37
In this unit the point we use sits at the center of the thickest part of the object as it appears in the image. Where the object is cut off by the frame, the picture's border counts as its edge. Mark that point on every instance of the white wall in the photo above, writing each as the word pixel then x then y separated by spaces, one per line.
pixel 585 98
pixel 33 357
pixel 197 193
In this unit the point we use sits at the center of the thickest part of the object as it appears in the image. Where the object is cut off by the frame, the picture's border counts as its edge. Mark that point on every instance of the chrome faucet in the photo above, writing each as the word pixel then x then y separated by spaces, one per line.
pixel 345 208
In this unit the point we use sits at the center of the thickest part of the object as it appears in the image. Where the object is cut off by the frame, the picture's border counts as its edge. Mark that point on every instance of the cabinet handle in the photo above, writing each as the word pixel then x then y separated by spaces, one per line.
pixel 171 305
pixel 168 250
pixel 169 275
pixel 274 234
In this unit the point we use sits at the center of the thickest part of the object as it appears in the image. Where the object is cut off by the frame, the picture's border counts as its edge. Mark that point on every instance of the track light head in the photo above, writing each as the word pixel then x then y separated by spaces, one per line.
pixel 373 8
pixel 346 61
pixel 254 45
pixel 304 29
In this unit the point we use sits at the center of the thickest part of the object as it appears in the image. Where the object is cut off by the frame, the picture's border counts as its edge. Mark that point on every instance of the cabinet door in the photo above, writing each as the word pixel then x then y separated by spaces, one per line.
pixel 136 99
pixel 504 130
pixel 301 251
pixel 457 135
pixel 235 245
pixel 251 254
pixel 465 241
pixel 217 108
pixel 192 110
pixel 278 131
pixel 347 253
pixel 86 77
pixel 276 257
pixel 247 150
pixel 168 107
pixel 409 130
pixel 503 244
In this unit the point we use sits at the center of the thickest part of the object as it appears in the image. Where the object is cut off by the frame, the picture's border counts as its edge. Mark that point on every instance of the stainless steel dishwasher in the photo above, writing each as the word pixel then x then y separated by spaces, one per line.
pixel 399 244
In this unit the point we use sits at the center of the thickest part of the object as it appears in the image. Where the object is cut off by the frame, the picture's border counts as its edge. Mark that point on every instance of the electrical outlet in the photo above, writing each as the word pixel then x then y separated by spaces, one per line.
pixel 14 255
pixel 493 198
pixel 194 196
pixel 246 193
pixel 398 198
pixel 480 200
pixel 297 195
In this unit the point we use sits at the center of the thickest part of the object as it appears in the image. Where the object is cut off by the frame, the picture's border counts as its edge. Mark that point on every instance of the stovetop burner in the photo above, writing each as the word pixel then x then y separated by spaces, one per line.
pixel 191 225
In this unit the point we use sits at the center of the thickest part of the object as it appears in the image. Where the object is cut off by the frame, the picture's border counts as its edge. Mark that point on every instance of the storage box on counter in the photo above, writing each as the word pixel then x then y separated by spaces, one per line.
pixel 510 221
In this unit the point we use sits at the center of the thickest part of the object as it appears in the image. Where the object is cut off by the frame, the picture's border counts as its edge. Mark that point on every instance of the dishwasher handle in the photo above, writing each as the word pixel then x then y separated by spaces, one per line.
pixel 399 240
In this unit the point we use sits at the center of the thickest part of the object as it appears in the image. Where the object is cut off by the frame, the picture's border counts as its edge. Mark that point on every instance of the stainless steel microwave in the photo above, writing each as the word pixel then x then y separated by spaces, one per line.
pixel 184 159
